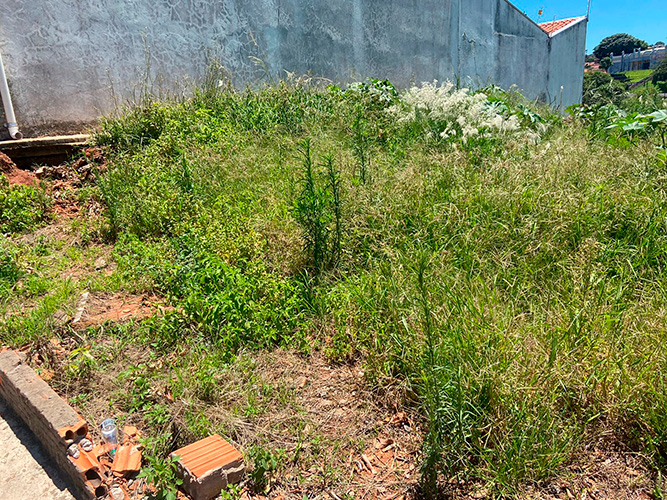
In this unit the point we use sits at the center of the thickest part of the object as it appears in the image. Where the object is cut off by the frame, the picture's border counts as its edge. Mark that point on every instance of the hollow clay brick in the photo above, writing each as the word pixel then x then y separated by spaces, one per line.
pixel 208 466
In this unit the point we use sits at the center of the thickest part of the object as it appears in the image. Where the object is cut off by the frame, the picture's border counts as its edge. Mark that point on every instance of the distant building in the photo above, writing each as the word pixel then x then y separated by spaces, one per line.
pixel 638 59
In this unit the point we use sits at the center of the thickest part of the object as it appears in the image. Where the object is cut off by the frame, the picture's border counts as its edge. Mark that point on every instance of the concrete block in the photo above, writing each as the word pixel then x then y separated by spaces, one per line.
pixel 208 466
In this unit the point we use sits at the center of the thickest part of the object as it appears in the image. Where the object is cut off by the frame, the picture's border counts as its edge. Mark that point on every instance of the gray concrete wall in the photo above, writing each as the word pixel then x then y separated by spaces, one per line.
pixel 499 45
pixel 64 58
pixel 566 58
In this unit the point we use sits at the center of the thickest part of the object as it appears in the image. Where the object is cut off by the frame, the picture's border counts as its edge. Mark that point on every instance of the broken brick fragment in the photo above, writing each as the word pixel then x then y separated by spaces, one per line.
pixel 127 460
pixel 90 470
pixel 208 466
pixel 76 431
pixel 130 433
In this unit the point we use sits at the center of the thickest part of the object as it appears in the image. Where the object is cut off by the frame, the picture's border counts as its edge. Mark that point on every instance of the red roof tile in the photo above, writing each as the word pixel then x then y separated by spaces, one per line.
pixel 127 460
pixel 553 26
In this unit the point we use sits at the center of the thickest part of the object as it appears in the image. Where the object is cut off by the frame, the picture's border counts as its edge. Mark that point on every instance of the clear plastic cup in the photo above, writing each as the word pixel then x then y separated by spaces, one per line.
pixel 110 434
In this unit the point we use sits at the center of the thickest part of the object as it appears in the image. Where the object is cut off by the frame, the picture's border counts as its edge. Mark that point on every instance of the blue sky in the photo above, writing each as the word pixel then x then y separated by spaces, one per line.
pixel 645 19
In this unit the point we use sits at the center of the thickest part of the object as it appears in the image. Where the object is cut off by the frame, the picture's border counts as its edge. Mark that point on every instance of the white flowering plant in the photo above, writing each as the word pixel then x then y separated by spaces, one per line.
pixel 445 112
pixel 382 91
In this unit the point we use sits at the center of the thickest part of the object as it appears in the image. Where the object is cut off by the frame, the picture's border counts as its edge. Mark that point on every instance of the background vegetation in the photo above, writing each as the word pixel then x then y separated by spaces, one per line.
pixel 618 43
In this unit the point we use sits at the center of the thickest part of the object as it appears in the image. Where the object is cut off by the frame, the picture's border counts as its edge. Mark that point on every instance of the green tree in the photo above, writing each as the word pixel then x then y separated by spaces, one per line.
pixel 620 42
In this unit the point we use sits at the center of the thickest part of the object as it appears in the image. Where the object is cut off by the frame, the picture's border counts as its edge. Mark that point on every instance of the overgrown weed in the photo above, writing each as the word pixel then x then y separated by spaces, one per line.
pixel 511 279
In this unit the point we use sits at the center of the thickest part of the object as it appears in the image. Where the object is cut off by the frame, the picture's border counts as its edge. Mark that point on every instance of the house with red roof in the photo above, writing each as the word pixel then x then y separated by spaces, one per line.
pixel 497 43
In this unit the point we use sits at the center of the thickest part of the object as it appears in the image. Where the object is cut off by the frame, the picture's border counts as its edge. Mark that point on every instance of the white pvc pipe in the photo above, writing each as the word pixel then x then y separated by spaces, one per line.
pixel 7 102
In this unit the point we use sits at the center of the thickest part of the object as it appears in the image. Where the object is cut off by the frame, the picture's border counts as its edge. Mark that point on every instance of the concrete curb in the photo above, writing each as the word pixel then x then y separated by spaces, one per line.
pixel 55 423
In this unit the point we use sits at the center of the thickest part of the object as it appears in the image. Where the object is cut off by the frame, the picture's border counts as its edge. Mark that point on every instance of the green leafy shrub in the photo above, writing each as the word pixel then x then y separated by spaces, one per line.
pixel 380 93
pixel 230 307
pixel 637 125
pixel 235 309
pixel 660 73
pixel 265 465
pixel 158 471
pixel 600 89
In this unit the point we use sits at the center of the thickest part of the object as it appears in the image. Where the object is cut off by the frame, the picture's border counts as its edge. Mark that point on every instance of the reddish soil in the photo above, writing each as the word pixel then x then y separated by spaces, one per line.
pixel 14 174
pixel 98 309
pixel 6 164
pixel 67 178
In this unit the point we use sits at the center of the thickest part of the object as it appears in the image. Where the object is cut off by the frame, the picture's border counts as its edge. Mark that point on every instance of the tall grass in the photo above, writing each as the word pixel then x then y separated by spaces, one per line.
pixel 513 285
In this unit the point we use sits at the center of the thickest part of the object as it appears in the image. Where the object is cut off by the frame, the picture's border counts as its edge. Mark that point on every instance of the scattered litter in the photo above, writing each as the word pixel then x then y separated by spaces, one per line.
pixel 117 493
pixel 74 174
pixel 129 432
pixel 108 475
pixel 110 434
pixel 127 460
pixel 81 307
pixel 86 445
pixel 73 451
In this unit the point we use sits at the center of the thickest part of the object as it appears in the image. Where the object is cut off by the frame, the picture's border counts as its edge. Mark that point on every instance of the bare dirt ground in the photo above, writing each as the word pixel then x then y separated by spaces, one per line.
pixel 97 309
pixel 15 175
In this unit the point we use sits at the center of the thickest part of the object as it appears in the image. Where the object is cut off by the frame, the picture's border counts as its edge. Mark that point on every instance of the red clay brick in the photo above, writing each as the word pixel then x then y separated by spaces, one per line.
pixel 208 466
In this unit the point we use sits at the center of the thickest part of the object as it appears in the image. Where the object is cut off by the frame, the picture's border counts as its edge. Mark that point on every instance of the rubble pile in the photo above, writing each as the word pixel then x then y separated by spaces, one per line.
pixel 110 468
